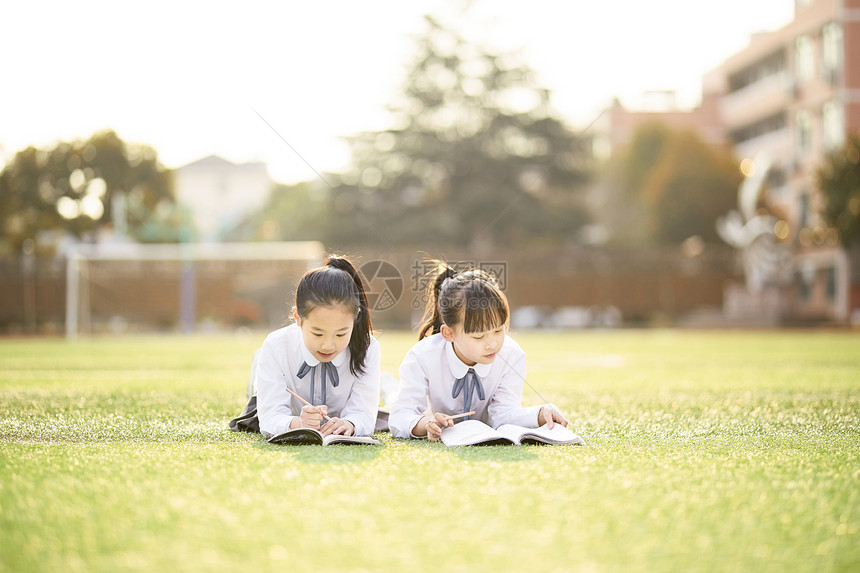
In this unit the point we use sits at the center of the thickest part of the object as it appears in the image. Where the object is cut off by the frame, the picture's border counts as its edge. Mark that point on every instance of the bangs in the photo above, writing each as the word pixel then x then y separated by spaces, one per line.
pixel 326 286
pixel 485 308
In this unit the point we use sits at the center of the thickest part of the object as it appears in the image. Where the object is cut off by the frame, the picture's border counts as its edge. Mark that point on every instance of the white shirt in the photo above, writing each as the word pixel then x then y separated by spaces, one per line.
pixel 355 398
pixel 430 368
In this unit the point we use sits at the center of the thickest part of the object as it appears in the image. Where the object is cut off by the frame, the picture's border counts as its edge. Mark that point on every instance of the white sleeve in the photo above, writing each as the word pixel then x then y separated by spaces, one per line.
pixel 362 405
pixel 411 401
pixel 273 401
pixel 506 406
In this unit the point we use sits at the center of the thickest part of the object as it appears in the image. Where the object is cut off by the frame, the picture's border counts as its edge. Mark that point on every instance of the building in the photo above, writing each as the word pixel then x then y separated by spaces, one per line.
pixel 794 95
pixel 617 125
pixel 220 194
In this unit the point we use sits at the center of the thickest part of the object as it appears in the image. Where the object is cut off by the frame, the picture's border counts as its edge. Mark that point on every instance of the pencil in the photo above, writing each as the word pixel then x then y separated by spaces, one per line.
pixel 463 415
pixel 455 416
pixel 306 403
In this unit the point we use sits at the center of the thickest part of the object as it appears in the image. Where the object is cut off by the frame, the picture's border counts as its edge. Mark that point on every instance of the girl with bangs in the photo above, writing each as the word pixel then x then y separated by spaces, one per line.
pixel 328 356
pixel 464 361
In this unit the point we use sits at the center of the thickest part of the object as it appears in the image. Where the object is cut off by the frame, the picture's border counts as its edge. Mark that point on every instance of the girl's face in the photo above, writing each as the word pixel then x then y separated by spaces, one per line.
pixel 475 347
pixel 326 330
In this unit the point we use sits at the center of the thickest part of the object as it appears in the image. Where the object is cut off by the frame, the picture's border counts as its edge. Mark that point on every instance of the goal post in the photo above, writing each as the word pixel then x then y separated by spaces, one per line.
pixel 166 285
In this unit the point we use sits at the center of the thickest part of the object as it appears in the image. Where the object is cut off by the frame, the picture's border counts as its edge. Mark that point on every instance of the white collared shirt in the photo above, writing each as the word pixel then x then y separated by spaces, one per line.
pixel 430 368
pixel 355 398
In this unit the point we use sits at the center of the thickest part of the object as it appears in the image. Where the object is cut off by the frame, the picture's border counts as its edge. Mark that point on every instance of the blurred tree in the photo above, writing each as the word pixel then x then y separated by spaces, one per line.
pixel 690 188
pixel 673 186
pixel 74 186
pixel 839 182
pixel 475 156
pixel 621 208
pixel 642 155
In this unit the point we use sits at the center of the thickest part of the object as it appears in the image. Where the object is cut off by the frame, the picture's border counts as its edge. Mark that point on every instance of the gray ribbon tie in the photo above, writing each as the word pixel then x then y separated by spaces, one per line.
pixel 468 384
pixel 327 369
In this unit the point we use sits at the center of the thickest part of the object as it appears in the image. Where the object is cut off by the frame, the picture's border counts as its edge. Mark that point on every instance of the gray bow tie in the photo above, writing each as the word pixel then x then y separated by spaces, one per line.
pixel 327 367
pixel 468 384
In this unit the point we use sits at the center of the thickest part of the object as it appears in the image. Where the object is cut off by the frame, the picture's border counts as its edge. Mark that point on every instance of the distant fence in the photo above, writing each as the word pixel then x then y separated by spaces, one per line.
pixel 32 296
pixel 141 296
pixel 640 286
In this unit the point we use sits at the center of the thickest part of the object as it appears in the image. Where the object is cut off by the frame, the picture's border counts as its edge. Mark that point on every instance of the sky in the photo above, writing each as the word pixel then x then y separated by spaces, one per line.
pixel 284 82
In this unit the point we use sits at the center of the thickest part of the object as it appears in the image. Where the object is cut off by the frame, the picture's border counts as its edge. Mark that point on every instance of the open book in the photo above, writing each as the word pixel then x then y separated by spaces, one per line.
pixel 477 433
pixel 309 436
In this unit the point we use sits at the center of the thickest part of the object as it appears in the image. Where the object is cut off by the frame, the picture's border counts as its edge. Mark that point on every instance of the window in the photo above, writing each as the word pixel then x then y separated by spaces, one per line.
pixel 804 209
pixel 831 47
pixel 760 128
pixel 803 132
pixel 831 283
pixel 804 59
pixel 832 125
pixel 803 290
pixel 767 67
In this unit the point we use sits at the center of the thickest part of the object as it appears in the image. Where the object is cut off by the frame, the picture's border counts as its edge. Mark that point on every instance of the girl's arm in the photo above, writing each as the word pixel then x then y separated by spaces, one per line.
pixel 363 402
pixel 273 402
pixel 411 402
pixel 431 426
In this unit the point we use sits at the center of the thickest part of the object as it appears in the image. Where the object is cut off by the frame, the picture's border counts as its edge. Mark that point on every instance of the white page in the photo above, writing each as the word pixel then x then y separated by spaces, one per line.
pixel 558 434
pixel 467 433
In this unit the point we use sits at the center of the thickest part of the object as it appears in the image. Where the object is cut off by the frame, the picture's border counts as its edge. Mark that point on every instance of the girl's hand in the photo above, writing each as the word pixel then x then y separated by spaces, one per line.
pixel 338 426
pixel 550 416
pixel 433 425
pixel 312 416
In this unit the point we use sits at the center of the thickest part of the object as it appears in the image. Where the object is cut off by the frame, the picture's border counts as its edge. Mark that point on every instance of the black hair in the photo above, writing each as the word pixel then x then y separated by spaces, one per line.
pixel 472 297
pixel 338 283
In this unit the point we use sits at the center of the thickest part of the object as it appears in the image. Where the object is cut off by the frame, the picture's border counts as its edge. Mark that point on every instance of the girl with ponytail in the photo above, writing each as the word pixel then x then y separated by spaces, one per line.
pixel 329 357
pixel 464 361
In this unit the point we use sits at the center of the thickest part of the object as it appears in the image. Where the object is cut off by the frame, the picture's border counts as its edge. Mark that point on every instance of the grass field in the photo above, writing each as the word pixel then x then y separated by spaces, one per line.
pixel 707 451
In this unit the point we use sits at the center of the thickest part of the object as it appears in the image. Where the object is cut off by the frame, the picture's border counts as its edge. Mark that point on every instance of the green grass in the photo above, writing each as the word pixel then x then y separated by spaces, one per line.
pixel 707 451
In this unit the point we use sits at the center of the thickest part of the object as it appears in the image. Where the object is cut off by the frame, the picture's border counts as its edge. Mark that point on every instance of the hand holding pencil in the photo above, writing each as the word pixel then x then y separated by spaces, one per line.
pixel 310 412
pixel 435 422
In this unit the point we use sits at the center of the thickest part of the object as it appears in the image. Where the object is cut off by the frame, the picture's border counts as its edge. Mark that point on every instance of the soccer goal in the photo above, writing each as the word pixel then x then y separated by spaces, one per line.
pixel 188 287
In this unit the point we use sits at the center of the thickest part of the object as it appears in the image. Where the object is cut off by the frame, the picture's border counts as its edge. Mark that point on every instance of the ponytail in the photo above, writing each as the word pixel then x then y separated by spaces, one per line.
pixel 338 283
pixel 472 298
pixel 362 328
pixel 432 320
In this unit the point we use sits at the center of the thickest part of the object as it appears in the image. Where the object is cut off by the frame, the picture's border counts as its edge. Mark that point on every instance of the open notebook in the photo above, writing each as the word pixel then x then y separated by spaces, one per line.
pixel 477 433
pixel 302 436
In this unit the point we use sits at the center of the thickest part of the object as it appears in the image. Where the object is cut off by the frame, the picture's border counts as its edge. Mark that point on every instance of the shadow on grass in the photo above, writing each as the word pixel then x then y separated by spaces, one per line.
pixel 348 454
pixel 316 454
pixel 475 453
